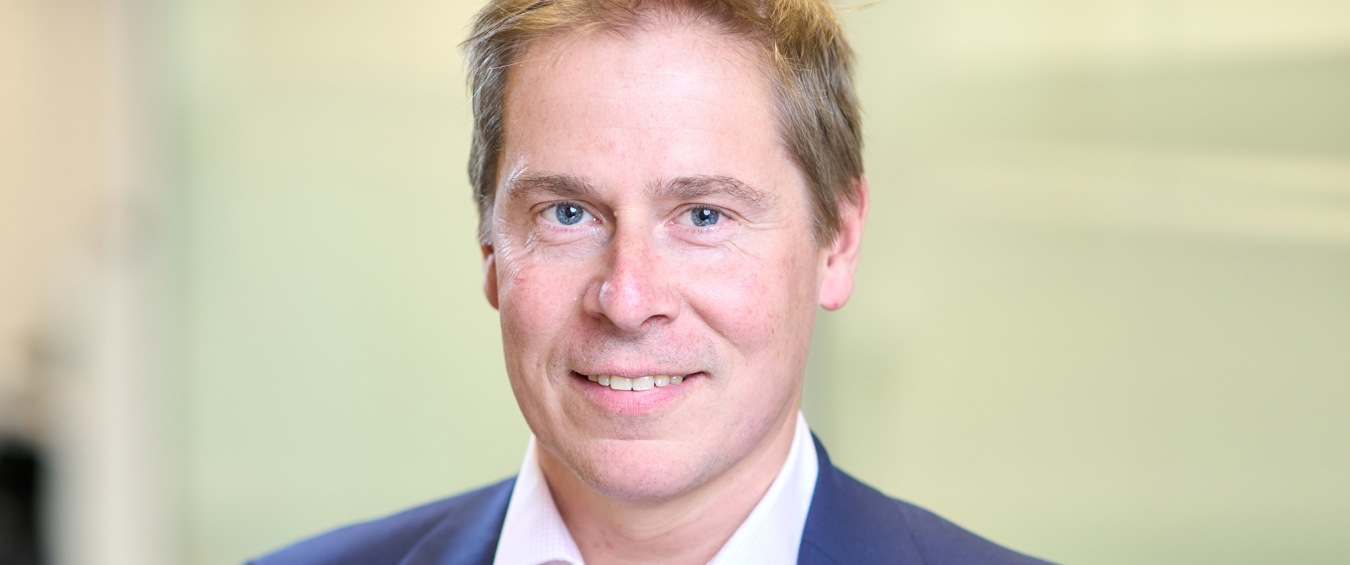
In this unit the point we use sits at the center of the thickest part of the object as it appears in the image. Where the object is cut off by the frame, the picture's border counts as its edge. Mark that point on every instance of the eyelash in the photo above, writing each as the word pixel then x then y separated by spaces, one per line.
pixel 688 212
pixel 550 212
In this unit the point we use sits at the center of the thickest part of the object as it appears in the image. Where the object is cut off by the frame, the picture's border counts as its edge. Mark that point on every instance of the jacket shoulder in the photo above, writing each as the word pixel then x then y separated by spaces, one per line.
pixel 851 522
pixel 940 541
pixel 464 527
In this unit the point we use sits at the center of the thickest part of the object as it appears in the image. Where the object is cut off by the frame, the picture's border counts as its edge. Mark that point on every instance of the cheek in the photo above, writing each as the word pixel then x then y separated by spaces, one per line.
pixel 534 302
pixel 758 304
pixel 523 288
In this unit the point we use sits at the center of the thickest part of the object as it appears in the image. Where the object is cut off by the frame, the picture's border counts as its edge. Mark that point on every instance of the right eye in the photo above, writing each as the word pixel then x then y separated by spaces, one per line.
pixel 569 213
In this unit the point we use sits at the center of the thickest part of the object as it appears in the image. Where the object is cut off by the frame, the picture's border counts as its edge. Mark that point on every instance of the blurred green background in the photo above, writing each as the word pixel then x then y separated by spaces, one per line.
pixel 1103 313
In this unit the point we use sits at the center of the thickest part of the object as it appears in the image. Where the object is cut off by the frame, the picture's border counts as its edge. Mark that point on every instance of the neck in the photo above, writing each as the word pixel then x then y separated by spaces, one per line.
pixel 688 528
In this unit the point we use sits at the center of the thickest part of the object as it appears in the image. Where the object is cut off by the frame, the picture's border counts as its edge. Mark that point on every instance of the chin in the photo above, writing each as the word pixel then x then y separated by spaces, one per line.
pixel 638 470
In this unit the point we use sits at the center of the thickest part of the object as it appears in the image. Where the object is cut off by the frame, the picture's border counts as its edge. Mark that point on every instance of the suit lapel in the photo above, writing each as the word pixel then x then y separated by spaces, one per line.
pixel 468 533
pixel 850 522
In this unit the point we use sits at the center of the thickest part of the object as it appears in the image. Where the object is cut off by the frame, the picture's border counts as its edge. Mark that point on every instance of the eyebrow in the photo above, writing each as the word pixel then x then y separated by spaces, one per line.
pixel 683 188
pixel 702 186
pixel 565 186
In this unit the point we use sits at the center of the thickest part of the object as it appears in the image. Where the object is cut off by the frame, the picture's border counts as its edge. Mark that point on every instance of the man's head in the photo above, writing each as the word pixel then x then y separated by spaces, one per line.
pixel 652 211
pixel 797 44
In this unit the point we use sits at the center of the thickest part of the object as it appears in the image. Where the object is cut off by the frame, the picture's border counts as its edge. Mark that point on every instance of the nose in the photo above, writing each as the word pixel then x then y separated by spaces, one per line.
pixel 632 293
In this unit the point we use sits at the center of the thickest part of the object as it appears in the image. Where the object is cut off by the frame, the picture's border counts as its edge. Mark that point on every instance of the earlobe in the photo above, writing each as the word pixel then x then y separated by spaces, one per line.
pixel 841 263
pixel 490 274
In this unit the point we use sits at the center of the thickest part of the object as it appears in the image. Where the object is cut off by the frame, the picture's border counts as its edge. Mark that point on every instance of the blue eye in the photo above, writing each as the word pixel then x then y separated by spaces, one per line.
pixel 568 214
pixel 703 217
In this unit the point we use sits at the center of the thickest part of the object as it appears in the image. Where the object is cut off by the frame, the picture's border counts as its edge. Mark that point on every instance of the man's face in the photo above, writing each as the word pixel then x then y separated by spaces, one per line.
pixel 649 223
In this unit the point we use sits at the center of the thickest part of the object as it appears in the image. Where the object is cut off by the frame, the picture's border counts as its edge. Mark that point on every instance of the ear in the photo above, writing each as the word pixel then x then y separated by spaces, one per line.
pixel 490 274
pixel 841 260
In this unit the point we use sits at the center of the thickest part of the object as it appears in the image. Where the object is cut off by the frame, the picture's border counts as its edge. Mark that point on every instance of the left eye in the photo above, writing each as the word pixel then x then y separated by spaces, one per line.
pixel 569 214
pixel 703 217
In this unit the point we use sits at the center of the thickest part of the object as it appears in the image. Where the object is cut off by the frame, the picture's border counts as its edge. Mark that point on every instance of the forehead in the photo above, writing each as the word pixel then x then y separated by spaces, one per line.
pixel 660 96
pixel 658 43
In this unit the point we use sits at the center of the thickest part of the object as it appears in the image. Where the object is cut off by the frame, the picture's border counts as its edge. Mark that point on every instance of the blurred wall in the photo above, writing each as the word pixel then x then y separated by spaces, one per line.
pixel 79 270
pixel 335 355
pixel 1104 306
pixel 1101 318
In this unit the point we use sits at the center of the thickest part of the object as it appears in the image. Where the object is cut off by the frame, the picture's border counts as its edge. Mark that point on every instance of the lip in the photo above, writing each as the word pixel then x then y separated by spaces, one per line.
pixel 627 402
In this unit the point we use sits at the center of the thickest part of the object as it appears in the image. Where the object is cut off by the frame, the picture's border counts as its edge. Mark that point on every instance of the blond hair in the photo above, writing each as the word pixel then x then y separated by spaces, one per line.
pixel 802 43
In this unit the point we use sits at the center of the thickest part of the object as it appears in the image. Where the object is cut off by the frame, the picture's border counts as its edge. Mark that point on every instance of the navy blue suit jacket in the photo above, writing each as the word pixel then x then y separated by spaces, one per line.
pixel 849 523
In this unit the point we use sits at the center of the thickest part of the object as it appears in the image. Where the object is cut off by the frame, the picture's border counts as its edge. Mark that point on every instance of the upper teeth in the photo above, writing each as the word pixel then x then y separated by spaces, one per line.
pixel 640 383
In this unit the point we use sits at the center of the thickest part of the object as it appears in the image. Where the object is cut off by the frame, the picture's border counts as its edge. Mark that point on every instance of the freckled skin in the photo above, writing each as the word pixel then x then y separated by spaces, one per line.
pixel 637 284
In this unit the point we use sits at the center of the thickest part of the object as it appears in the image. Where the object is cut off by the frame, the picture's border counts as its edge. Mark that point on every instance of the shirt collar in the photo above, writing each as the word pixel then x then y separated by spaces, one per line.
pixel 534 533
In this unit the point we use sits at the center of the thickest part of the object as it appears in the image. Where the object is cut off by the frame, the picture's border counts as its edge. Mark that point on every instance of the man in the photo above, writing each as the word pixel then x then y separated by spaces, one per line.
pixel 668 190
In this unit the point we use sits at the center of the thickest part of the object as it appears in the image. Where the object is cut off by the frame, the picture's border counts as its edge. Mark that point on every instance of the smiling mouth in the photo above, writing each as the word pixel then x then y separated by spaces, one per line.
pixel 636 384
